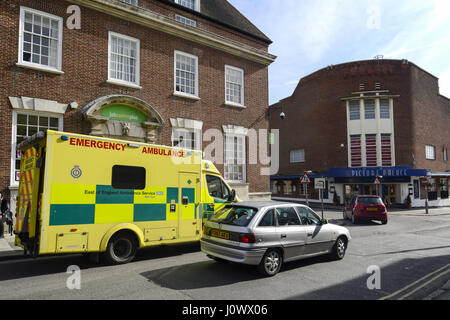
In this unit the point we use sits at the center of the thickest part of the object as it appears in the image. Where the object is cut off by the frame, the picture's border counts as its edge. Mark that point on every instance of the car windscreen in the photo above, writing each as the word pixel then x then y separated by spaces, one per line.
pixel 371 200
pixel 235 215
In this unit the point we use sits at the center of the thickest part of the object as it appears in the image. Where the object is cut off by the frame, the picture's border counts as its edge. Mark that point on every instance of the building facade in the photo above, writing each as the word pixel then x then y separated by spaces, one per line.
pixel 156 71
pixel 367 127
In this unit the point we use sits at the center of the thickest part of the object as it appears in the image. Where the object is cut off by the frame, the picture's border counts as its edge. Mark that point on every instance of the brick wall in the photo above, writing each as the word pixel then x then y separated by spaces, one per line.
pixel 431 120
pixel 316 115
pixel 85 61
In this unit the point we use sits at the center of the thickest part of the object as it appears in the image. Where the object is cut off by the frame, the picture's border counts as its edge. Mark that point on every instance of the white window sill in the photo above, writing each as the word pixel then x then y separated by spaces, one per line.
pixel 124 84
pixel 235 105
pixel 39 67
pixel 186 95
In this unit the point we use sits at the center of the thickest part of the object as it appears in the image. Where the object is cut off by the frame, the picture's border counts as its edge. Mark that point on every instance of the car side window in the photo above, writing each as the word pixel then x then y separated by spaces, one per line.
pixel 216 188
pixel 287 216
pixel 268 220
pixel 308 216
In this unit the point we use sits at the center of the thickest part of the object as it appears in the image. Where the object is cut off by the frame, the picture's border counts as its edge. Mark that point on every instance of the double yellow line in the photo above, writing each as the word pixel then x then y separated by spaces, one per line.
pixel 439 274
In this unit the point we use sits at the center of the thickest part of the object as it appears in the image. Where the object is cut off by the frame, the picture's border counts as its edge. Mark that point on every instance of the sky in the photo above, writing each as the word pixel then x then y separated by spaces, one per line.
pixel 309 35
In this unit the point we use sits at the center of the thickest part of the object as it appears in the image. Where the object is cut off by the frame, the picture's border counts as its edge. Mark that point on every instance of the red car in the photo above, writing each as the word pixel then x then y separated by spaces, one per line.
pixel 365 208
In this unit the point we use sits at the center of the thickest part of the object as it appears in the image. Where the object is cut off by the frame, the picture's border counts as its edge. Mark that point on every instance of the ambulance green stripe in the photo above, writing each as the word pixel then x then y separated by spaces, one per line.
pixel 172 194
pixel 109 195
pixel 67 214
pixel 149 212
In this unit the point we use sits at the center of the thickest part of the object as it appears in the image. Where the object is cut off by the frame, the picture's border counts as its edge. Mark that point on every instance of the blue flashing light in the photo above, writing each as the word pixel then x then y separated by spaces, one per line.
pixel 64 138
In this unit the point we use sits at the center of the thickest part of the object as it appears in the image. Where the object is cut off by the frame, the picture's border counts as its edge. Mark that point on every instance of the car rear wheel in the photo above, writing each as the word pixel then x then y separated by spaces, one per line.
pixel 270 263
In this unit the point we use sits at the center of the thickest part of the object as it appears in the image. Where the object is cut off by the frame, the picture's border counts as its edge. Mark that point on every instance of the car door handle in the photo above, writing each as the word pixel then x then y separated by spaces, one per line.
pixel 310 234
pixel 283 236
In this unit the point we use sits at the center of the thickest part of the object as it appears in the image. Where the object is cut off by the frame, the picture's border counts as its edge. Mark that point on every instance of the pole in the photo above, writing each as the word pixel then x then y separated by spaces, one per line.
pixel 306 188
pixel 321 196
pixel 426 200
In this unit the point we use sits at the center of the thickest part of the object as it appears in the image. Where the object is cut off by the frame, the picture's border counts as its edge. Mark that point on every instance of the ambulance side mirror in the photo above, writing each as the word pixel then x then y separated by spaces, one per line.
pixel 232 195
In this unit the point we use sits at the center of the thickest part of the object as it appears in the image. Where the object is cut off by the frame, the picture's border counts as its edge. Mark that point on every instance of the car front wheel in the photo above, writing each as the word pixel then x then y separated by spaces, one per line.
pixel 339 248
pixel 270 263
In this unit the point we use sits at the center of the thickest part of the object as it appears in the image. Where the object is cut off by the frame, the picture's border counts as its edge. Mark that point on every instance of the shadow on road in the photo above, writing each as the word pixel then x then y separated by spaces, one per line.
pixel 207 274
pixel 394 277
pixel 23 267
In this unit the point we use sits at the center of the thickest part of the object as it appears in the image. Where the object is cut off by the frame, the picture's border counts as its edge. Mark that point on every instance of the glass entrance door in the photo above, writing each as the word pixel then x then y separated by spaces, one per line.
pixel 390 195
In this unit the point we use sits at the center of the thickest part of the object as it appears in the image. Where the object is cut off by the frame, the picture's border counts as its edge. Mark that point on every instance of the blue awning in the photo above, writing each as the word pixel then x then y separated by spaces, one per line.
pixel 362 172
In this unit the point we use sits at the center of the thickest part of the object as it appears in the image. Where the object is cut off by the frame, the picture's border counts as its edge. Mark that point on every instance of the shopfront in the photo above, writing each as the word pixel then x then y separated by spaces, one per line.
pixel 392 184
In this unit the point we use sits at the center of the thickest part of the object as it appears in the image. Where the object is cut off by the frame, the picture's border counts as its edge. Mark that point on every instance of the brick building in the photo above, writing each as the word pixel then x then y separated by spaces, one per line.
pixel 361 120
pixel 157 71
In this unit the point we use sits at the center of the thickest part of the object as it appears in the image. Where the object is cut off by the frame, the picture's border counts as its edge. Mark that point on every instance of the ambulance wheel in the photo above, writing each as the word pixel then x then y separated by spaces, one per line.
pixel 121 248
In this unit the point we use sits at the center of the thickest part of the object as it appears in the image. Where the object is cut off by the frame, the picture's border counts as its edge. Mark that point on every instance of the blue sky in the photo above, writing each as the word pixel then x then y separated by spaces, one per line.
pixel 309 35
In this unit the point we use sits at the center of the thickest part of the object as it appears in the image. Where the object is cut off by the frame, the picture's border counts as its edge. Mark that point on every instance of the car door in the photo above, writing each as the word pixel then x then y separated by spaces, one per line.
pixel 318 235
pixel 291 232
pixel 266 231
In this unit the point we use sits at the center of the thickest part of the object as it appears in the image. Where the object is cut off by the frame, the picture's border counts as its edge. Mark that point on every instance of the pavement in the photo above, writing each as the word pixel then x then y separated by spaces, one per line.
pixel 7 247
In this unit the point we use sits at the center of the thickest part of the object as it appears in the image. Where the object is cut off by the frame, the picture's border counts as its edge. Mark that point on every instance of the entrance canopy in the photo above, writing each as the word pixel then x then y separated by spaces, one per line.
pixel 364 174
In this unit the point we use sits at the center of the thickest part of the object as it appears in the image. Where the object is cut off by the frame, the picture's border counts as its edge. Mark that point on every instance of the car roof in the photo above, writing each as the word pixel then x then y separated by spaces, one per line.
pixel 262 204
pixel 367 196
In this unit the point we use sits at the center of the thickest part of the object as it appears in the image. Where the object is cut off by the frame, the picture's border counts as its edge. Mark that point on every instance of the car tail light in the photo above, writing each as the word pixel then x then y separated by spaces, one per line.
pixel 247 238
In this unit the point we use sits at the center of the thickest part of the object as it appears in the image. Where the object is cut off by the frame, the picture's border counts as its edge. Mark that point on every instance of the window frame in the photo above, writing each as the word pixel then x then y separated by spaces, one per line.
pixel 368 107
pixel 131 2
pixel 13 168
pixel 196 5
pixel 354 107
pixel 292 156
pixel 33 65
pixel 197 138
pixel 429 147
pixel 386 111
pixel 138 60
pixel 288 225
pixel 242 97
pixel 222 183
pixel 186 21
pixel 244 156
pixel 274 219
pixel 139 187
pixel 185 94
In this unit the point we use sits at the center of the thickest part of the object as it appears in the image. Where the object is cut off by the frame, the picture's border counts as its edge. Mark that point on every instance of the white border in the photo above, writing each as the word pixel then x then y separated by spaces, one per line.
pixel 136 84
pixel 37 66
pixel 179 93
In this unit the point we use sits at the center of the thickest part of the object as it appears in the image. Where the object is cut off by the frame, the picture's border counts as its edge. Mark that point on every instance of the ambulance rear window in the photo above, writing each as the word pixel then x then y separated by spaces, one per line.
pixel 126 177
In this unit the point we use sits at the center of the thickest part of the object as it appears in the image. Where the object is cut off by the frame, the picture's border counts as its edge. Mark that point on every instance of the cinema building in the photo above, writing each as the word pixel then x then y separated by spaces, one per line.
pixel 366 127
pixel 156 71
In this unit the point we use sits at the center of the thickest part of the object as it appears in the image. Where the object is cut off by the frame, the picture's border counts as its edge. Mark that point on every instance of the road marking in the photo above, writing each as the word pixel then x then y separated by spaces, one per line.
pixel 426 283
pixel 417 281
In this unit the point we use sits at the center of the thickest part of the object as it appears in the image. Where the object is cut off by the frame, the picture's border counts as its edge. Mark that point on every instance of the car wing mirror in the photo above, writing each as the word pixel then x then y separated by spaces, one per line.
pixel 323 221
pixel 232 195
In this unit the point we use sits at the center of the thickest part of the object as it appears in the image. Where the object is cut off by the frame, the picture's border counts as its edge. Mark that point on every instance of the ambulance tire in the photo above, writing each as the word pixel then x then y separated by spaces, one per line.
pixel 121 248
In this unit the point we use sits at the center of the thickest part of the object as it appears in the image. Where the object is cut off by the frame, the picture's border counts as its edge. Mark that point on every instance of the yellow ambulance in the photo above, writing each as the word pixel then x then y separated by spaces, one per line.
pixel 85 194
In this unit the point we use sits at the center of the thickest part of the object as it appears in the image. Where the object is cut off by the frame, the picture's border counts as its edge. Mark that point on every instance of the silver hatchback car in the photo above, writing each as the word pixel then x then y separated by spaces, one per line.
pixel 267 234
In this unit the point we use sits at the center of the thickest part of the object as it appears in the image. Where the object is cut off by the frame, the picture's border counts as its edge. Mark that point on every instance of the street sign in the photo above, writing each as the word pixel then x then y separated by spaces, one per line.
pixel 319 183
pixel 377 181
pixel 305 179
